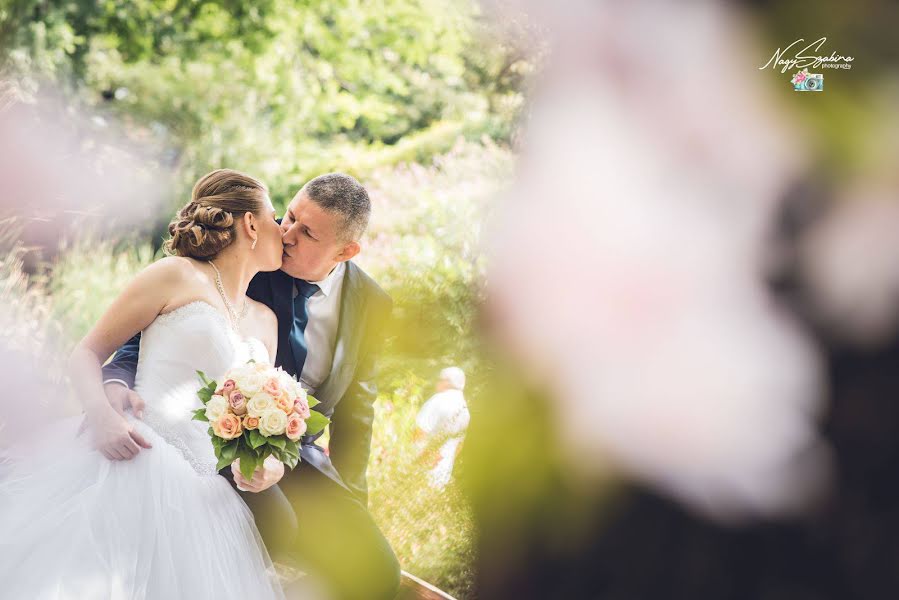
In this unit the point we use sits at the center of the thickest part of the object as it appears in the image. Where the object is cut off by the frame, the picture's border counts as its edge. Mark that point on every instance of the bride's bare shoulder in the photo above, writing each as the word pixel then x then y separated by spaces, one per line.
pixel 174 280
pixel 178 268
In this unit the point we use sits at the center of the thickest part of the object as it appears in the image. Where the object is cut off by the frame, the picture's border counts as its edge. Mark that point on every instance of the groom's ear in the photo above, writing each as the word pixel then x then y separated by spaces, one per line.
pixel 349 251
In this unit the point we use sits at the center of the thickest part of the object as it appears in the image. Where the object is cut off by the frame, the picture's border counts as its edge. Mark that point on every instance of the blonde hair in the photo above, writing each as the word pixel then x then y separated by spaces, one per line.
pixel 205 225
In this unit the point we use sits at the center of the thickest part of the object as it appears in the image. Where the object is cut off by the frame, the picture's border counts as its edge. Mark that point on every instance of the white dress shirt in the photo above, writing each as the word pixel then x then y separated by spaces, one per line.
pixel 323 308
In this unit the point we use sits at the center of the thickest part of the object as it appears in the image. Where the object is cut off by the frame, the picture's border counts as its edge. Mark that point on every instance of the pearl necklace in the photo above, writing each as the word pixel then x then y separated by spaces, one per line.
pixel 235 318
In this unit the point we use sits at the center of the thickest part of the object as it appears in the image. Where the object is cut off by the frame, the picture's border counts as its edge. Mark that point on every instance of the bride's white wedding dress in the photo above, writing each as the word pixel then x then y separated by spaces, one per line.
pixel 164 525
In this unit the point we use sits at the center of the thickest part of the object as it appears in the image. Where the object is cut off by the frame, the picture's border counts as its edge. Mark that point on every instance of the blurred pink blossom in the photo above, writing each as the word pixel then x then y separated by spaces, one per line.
pixel 626 262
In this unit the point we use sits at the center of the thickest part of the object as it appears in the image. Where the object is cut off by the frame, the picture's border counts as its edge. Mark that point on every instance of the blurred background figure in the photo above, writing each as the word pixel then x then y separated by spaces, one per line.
pixel 442 422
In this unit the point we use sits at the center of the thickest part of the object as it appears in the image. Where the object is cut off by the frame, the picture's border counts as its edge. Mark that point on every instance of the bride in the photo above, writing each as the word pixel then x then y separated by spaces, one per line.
pixel 77 522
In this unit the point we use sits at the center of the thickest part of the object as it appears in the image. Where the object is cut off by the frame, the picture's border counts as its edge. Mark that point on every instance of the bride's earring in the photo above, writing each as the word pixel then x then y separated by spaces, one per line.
pixel 253 247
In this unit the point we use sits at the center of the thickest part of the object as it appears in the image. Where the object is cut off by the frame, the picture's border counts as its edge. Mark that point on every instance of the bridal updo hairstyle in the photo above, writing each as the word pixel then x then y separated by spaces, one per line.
pixel 206 225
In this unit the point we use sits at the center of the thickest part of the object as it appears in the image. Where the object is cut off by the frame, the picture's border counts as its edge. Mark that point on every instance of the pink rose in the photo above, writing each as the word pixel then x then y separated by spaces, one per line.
pixel 227 426
pixel 272 388
pixel 296 427
pixel 238 403
pixel 301 407
pixel 283 402
pixel 251 422
pixel 228 386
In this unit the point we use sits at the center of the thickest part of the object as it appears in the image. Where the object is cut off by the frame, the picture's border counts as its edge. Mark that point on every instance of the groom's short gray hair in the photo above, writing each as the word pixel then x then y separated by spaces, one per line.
pixel 343 194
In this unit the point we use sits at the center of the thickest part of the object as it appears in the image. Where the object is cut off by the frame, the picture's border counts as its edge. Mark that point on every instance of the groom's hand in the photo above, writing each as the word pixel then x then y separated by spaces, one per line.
pixel 269 474
pixel 121 397
pixel 114 436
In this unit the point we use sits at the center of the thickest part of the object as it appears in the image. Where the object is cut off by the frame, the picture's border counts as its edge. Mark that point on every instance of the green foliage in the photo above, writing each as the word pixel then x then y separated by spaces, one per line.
pixel 425 247
pixel 282 89
pixel 431 531
pixel 25 324
pixel 87 277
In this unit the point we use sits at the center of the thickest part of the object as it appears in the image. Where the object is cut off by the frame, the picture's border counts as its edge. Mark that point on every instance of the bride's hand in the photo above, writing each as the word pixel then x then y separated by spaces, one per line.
pixel 114 436
pixel 271 473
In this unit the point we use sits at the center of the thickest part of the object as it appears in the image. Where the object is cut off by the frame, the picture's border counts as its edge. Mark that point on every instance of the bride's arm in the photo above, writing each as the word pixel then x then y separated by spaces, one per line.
pixel 136 307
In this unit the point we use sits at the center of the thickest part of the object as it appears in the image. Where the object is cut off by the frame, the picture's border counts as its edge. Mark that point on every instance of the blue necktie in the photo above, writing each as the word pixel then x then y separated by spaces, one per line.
pixel 300 319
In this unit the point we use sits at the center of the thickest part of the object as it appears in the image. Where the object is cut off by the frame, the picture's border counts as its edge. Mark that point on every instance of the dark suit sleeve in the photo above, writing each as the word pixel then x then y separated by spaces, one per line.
pixel 351 423
pixel 124 363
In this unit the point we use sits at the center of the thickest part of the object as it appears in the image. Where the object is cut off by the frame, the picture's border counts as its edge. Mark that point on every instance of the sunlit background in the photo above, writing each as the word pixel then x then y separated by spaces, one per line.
pixel 670 279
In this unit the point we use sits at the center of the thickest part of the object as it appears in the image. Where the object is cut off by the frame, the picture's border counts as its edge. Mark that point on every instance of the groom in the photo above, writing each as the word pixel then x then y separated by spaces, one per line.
pixel 331 319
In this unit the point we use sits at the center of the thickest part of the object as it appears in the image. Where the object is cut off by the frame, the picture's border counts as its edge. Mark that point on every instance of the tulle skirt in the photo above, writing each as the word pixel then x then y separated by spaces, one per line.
pixel 74 524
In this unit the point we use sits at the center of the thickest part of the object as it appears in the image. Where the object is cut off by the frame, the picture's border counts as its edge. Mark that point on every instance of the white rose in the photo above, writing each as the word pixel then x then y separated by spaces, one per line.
pixel 216 407
pixel 260 404
pixel 232 374
pixel 272 422
pixel 285 381
pixel 241 371
pixel 251 383
pixel 291 385
pixel 237 374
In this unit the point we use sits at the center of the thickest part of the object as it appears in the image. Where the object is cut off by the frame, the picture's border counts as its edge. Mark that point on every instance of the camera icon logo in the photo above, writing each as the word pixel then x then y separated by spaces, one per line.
pixel 803 81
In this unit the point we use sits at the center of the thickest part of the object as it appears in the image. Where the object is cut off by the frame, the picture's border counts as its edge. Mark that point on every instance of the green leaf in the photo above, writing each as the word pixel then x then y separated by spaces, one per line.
pixel 229 450
pixel 203 378
pixel 316 423
pixel 200 415
pixel 222 463
pixel 277 441
pixel 292 448
pixel 248 464
pixel 204 395
pixel 255 439
pixel 312 400
pixel 291 461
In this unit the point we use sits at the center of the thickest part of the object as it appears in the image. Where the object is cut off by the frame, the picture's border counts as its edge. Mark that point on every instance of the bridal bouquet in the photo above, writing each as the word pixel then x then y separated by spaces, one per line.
pixel 257 412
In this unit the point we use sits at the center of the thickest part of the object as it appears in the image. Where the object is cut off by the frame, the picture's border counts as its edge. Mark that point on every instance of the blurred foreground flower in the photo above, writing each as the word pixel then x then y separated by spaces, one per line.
pixel 63 166
pixel 63 171
pixel 627 262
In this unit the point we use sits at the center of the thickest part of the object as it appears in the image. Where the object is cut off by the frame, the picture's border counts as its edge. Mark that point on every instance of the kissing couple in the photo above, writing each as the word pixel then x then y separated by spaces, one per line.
pixel 129 504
